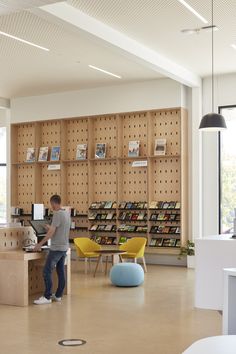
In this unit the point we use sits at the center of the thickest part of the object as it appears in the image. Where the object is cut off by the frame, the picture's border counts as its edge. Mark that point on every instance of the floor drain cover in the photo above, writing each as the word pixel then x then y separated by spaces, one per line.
pixel 72 342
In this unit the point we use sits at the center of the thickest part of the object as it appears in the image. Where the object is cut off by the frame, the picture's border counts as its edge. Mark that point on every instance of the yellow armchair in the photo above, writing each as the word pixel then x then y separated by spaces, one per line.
pixel 86 248
pixel 135 248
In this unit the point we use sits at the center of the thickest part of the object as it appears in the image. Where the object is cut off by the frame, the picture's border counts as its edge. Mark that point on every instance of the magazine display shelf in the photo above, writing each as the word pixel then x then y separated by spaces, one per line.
pixel 113 178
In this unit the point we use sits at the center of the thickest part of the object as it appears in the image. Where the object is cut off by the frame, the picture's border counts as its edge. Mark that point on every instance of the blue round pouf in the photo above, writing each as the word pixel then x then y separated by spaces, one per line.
pixel 127 274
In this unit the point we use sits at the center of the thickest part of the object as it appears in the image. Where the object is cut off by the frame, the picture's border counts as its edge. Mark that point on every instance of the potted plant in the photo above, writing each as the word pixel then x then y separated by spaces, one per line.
pixel 188 251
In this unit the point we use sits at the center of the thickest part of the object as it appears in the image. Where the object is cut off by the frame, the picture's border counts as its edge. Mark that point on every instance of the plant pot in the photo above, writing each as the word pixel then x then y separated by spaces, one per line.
pixel 191 261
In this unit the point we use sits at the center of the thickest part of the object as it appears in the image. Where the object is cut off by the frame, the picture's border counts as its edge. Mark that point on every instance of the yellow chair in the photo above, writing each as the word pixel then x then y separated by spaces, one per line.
pixel 135 248
pixel 86 248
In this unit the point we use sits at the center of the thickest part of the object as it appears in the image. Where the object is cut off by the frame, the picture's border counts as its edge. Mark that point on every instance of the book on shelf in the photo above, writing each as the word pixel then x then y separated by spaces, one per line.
pixel 122 240
pixel 110 216
pixel 142 216
pixel 177 217
pixel 166 230
pixel 122 205
pixel 81 152
pixel 103 216
pixel 108 227
pixel 172 242
pixel 153 217
pixel 133 148
pixel 92 216
pixel 31 154
pixel 141 229
pixel 114 228
pixel 108 205
pixel 160 147
pixel 172 217
pixel 166 242
pixel 43 153
pixel 159 242
pixel 55 153
pixel 178 243
pixel 98 239
pixel 172 205
pixel 100 152
pixel 178 230
pixel 93 228
pixel 101 227
pixel 160 205
pixel 177 205
pixel 161 217
pixel 173 230
pixel 153 205
pixel 165 205
pixel 153 242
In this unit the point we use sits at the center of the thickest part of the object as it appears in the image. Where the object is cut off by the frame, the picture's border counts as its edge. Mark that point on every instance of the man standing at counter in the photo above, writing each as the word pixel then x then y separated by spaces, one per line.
pixel 58 232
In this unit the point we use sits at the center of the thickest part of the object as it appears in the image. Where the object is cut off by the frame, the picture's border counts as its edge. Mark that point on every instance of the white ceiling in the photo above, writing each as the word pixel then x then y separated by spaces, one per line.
pixel 8 6
pixel 157 24
pixel 25 70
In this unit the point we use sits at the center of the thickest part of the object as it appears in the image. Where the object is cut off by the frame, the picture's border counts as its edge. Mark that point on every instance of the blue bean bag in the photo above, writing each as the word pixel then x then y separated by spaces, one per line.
pixel 127 274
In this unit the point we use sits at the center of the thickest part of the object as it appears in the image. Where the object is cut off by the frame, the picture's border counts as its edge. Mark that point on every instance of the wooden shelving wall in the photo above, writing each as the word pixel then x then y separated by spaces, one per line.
pixel 82 182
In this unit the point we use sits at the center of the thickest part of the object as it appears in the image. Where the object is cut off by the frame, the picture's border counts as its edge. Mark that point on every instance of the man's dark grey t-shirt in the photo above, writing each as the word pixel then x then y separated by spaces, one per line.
pixel 61 221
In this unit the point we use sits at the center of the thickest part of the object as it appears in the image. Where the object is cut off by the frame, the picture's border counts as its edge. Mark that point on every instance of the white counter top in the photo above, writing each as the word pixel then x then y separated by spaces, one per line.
pixel 213 254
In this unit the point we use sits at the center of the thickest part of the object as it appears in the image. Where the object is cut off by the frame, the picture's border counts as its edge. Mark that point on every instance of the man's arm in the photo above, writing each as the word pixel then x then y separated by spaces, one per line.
pixel 51 231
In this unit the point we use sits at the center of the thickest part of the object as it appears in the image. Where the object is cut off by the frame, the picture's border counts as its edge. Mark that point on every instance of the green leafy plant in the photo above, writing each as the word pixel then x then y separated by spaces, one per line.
pixel 188 250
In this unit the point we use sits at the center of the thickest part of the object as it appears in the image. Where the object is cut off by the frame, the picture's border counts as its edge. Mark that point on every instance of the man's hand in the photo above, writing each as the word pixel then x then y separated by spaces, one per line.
pixel 37 247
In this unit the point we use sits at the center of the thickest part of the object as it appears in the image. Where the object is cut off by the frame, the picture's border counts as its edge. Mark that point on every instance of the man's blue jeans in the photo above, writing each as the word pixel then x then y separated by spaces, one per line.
pixel 54 259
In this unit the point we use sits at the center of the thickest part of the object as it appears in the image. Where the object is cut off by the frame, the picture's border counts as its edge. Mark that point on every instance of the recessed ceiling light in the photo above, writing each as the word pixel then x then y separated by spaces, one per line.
pixel 233 46
pixel 104 71
pixel 191 9
pixel 23 41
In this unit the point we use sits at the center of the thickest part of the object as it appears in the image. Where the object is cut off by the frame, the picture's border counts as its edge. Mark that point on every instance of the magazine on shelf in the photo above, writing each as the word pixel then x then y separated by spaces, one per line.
pixel 100 152
pixel 43 153
pixel 31 154
pixel 93 228
pixel 92 216
pixel 172 205
pixel 81 152
pixel 173 230
pixel 55 153
pixel 154 217
pixel 108 228
pixel 133 148
pixel 160 147
pixel 172 217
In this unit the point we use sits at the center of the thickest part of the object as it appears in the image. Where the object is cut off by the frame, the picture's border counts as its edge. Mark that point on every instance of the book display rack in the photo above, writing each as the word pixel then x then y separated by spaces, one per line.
pixel 113 192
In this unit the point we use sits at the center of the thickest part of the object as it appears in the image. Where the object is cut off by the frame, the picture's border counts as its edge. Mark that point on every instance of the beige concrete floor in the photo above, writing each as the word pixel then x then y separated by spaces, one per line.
pixel 156 318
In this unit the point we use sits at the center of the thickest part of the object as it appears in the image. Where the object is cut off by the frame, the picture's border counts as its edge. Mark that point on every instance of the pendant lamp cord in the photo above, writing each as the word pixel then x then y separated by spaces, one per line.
pixel 212 56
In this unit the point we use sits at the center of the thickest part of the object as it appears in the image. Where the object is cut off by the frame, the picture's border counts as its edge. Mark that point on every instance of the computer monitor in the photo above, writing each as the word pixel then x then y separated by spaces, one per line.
pixel 38 211
pixel 39 226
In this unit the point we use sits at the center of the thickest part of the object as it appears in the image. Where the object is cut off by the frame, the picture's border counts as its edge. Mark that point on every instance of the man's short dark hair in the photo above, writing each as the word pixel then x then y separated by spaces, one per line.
pixel 55 199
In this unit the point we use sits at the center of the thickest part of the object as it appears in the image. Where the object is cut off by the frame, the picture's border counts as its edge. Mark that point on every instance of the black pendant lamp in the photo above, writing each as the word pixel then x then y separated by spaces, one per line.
pixel 212 121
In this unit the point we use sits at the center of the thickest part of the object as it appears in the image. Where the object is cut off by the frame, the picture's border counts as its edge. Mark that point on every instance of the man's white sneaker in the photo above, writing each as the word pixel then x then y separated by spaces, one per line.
pixel 42 301
pixel 56 299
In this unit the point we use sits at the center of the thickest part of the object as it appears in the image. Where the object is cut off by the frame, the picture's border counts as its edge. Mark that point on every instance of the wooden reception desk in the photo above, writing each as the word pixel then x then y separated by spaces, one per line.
pixel 21 272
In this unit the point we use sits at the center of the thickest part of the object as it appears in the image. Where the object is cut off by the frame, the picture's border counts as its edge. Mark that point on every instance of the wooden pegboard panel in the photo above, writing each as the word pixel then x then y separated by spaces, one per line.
pixel 77 186
pixel 135 128
pixel 25 187
pixel 134 182
pixel 76 133
pixel 51 133
pixel 167 125
pixel 105 180
pixel 13 238
pixel 35 277
pixel 166 183
pixel 105 131
pixel 25 139
pixel 51 183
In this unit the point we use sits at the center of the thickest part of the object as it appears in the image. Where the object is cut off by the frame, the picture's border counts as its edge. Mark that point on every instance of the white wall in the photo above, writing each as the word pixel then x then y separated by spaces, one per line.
pixel 162 93
pixel 225 94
